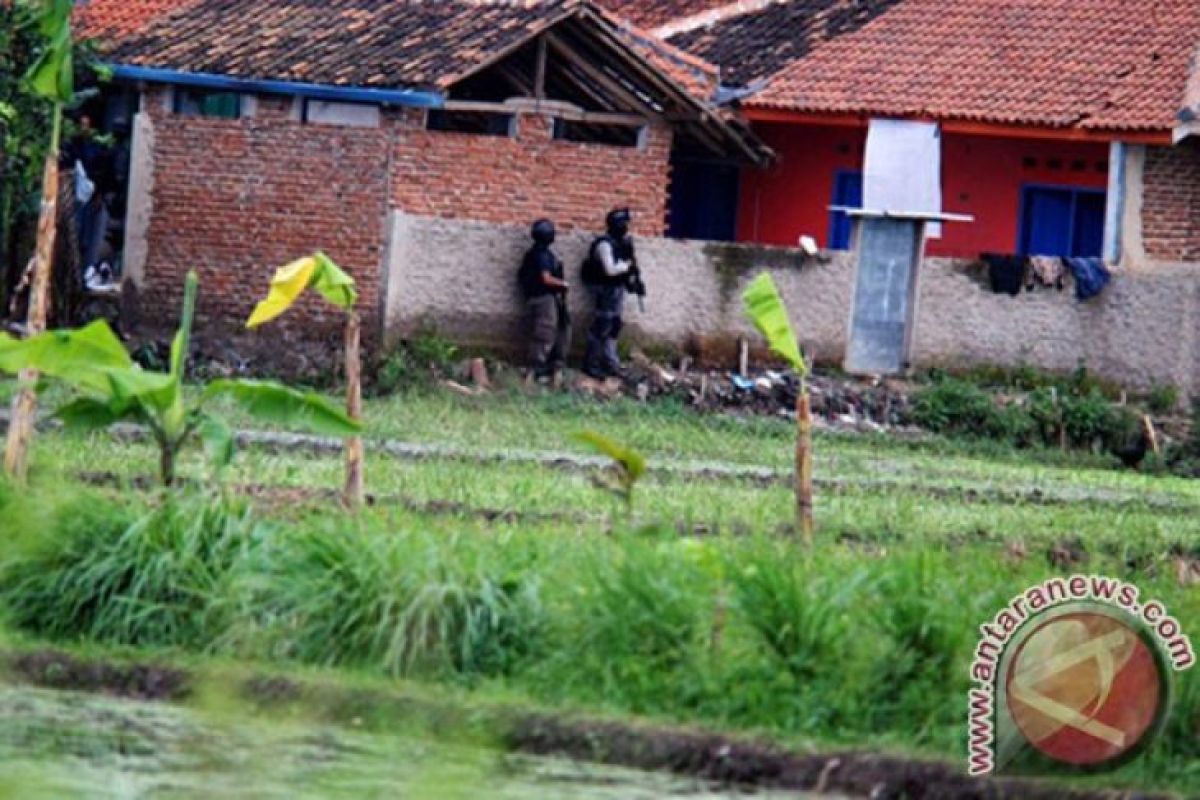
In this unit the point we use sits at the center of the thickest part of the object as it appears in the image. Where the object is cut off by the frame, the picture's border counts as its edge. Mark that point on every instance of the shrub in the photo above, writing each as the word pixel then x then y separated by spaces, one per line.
pixel 101 573
pixel 427 353
pixel 797 613
pixel 956 407
pixel 1162 398
pixel 401 603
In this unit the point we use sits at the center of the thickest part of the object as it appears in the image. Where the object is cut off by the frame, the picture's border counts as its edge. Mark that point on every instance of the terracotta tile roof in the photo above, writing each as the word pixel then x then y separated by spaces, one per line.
pixel 369 43
pixel 652 13
pixel 757 43
pixel 1093 64
pixel 109 19
pixel 696 75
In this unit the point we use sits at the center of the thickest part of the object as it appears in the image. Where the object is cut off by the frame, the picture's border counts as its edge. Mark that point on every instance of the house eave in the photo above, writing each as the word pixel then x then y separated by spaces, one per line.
pixel 345 94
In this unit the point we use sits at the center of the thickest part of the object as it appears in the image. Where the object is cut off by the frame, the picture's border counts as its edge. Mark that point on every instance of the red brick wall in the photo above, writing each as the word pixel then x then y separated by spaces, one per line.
pixel 516 180
pixel 1171 203
pixel 237 199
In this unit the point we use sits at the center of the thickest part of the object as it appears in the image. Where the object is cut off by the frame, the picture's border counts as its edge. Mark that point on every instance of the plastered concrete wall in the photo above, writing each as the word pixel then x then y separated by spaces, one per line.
pixel 460 278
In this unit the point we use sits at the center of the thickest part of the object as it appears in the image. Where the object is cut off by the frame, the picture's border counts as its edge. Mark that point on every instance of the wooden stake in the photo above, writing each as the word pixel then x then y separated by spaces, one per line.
pixel 354 493
pixel 24 405
pixel 1151 435
pixel 804 467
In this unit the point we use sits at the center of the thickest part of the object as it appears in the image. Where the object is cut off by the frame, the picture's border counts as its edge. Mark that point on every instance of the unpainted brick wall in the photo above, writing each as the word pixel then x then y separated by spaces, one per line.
pixel 235 199
pixel 1171 203
pixel 517 180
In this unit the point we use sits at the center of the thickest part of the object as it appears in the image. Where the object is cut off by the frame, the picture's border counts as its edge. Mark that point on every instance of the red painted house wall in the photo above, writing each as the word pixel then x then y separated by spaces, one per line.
pixel 981 175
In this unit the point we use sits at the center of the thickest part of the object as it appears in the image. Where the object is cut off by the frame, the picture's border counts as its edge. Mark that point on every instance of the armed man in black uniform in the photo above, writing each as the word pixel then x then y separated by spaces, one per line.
pixel 545 288
pixel 609 272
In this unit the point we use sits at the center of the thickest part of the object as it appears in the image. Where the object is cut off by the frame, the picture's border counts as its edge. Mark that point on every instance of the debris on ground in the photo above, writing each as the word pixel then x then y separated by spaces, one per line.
pixel 839 402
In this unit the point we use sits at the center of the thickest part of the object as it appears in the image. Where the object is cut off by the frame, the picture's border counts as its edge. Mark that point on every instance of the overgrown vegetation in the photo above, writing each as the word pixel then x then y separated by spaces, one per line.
pixel 1072 414
pixel 821 645
pixel 93 361
pixel 413 363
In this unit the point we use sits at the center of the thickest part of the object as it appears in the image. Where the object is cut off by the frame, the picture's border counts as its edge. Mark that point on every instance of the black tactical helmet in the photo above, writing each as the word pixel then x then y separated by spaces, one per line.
pixel 543 232
pixel 618 221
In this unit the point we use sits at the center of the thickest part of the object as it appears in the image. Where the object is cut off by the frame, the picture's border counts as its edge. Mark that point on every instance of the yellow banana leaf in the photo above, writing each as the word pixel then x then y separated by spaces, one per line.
pixel 766 310
pixel 317 272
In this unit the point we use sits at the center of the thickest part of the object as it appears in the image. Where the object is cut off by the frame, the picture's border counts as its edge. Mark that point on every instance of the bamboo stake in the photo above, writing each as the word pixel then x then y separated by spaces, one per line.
pixel 804 467
pixel 24 405
pixel 354 493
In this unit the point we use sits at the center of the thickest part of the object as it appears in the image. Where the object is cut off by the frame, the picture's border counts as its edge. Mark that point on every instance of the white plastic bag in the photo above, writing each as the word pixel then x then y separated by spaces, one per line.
pixel 84 187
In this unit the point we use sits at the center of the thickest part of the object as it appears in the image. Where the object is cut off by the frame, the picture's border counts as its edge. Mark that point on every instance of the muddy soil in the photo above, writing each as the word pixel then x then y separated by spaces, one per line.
pixel 724 760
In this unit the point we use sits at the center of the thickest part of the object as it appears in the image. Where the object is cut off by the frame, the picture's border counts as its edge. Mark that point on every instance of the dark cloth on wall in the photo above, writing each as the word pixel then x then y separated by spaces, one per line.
pixel 1006 273
pixel 1091 276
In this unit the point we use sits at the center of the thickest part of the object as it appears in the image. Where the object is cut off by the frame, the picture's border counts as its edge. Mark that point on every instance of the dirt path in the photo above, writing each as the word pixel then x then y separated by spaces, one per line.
pixel 728 760
pixel 667 470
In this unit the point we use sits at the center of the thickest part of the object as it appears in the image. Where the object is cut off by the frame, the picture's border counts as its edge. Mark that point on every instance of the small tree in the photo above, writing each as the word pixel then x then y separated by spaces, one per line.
pixel 766 310
pixel 52 77
pixel 93 361
pixel 319 273
pixel 628 466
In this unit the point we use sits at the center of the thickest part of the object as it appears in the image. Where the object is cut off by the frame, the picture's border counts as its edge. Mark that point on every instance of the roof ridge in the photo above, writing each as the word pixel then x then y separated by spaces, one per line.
pixel 701 19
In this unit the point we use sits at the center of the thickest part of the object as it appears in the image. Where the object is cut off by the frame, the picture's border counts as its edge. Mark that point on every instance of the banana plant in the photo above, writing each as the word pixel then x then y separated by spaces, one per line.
pixel 318 273
pixel 112 388
pixel 766 310
pixel 628 466
pixel 52 77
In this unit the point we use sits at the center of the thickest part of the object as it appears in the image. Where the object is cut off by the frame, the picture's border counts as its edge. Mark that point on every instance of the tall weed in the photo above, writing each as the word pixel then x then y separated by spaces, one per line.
pixel 405 603
pixel 101 572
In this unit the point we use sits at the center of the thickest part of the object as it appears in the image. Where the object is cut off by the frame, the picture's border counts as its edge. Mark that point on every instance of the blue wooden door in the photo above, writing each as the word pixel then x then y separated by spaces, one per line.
pixel 848 192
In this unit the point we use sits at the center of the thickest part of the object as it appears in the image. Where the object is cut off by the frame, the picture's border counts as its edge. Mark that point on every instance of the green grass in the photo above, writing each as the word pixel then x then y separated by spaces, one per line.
pixel 862 643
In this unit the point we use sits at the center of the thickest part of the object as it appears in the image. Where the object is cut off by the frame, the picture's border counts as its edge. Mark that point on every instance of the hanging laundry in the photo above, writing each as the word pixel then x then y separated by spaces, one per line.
pixel 1007 273
pixel 1049 271
pixel 1091 276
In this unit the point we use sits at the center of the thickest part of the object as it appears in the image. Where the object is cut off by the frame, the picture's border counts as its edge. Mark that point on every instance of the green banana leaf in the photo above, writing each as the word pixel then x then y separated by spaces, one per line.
pixel 91 358
pixel 631 462
pixel 276 403
pixel 88 413
pixel 766 310
pixel 53 74
pixel 217 439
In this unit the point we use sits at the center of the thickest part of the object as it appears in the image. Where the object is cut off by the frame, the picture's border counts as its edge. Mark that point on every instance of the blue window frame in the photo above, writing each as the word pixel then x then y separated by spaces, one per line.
pixel 1062 221
pixel 848 192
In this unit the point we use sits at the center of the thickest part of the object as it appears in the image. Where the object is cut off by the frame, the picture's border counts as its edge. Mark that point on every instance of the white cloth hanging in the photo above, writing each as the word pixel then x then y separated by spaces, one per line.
pixel 904 168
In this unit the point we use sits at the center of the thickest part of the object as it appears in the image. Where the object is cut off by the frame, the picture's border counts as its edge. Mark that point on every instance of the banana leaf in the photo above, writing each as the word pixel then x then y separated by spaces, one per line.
pixel 276 403
pixel 632 463
pixel 91 358
pixel 766 310
pixel 53 74
pixel 317 272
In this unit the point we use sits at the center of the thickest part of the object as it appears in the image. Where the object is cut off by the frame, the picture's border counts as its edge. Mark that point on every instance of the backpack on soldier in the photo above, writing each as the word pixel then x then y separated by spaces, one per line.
pixel 593 273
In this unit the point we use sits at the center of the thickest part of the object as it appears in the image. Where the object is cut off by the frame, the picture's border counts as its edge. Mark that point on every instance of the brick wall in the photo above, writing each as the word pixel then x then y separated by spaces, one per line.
pixel 516 180
pixel 237 199
pixel 1171 203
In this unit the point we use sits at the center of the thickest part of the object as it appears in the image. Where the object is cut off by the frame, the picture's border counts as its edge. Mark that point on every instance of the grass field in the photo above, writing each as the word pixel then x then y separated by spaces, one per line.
pixel 522 578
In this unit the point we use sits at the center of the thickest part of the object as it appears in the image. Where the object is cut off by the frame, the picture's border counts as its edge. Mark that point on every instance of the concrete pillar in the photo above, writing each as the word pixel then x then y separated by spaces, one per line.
pixel 140 203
